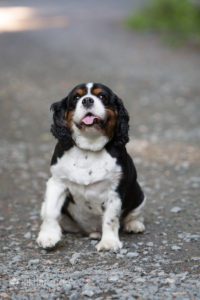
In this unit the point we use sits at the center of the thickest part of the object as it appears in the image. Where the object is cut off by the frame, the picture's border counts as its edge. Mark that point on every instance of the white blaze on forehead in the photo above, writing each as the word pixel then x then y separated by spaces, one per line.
pixel 89 87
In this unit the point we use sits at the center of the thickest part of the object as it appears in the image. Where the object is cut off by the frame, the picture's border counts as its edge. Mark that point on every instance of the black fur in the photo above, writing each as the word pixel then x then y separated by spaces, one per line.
pixel 59 128
pixel 121 135
pixel 129 189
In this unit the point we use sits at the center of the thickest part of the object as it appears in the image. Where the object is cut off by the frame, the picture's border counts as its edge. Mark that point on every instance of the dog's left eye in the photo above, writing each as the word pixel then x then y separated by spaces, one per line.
pixel 102 97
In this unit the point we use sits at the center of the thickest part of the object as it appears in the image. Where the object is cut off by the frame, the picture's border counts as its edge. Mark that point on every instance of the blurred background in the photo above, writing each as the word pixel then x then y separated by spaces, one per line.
pixel 148 53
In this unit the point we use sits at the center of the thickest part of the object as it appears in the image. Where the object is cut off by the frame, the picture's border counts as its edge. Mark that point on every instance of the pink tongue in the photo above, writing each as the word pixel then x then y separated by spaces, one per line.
pixel 88 120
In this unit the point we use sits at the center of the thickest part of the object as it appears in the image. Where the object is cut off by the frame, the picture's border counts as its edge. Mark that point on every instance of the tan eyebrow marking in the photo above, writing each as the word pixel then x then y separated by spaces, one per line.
pixel 81 91
pixel 97 91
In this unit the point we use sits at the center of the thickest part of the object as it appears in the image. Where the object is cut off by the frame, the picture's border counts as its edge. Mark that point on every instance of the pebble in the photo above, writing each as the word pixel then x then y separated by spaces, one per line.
pixel 135 245
pixel 33 261
pixel 4 296
pixel 188 237
pixel 176 209
pixel 16 258
pixel 132 254
pixel 113 278
pixel 5 248
pixel 123 251
pixel 74 296
pixel 67 287
pixel 27 235
pixel 150 244
pixel 88 292
pixel 195 258
pixel 74 259
pixel 93 242
pixel 175 248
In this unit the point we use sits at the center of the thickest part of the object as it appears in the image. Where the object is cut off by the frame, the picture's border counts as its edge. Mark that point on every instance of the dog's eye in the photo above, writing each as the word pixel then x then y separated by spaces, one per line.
pixel 102 97
pixel 77 97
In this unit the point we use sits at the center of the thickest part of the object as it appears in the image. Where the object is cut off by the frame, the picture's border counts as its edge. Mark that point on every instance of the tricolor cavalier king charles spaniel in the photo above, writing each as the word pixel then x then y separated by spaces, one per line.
pixel 93 187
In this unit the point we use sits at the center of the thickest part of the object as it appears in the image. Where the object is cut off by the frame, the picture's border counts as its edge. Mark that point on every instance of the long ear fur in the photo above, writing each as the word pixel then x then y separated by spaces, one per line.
pixel 121 137
pixel 59 127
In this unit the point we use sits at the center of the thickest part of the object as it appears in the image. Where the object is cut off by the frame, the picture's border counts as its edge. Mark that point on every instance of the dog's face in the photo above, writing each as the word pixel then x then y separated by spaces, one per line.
pixel 90 116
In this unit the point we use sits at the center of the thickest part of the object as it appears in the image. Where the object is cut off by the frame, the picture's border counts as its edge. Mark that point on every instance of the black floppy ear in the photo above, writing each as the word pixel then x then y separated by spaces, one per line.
pixel 121 137
pixel 59 127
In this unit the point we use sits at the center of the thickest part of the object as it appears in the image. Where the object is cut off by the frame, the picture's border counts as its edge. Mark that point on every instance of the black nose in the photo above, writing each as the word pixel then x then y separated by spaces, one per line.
pixel 87 102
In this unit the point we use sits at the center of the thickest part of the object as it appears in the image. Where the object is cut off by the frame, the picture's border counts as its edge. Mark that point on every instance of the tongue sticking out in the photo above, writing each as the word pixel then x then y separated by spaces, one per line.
pixel 89 120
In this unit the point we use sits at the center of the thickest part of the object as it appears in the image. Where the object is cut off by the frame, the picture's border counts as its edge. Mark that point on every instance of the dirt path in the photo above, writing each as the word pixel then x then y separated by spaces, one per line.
pixel 161 89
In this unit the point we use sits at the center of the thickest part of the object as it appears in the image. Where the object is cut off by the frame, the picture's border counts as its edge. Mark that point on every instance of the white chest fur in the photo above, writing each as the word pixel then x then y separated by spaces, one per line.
pixel 89 176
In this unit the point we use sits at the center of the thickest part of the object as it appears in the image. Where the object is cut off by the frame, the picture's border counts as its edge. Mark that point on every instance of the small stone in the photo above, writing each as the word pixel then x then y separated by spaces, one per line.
pixel 139 279
pixel 4 296
pixel 123 251
pixel 74 296
pixel 164 242
pixel 74 259
pixel 195 258
pixel 14 281
pixel 118 256
pixel 135 245
pixel 67 287
pixel 93 242
pixel 175 248
pixel 16 258
pixel 27 235
pixel 176 209
pixel 88 292
pixel 5 248
pixel 33 261
pixel 132 254
pixel 113 278
pixel 170 280
pixel 150 244
pixel 188 237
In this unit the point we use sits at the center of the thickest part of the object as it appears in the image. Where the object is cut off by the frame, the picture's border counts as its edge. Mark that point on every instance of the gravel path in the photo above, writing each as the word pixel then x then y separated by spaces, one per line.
pixel 161 88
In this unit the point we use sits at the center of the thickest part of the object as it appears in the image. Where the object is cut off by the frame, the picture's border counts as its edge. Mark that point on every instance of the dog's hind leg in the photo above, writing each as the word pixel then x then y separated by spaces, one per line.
pixel 134 221
pixel 68 225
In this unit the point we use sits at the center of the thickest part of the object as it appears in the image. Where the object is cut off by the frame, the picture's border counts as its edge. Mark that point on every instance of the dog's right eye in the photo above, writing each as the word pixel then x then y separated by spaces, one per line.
pixel 77 97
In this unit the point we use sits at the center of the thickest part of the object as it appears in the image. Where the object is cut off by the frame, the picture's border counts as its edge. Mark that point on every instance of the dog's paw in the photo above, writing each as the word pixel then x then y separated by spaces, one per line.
pixel 49 238
pixel 113 244
pixel 134 226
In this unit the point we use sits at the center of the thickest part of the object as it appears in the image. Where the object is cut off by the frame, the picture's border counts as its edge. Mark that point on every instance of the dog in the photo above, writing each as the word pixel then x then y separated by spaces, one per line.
pixel 93 187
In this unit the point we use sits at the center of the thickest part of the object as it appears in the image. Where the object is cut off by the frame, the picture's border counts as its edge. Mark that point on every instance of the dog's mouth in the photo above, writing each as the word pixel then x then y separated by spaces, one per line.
pixel 90 120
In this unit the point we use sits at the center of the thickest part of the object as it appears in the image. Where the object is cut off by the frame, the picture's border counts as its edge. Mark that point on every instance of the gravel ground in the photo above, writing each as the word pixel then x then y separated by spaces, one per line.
pixel 160 87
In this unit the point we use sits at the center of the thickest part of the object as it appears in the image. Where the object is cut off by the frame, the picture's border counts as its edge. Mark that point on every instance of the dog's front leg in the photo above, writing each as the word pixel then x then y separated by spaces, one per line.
pixel 50 231
pixel 110 227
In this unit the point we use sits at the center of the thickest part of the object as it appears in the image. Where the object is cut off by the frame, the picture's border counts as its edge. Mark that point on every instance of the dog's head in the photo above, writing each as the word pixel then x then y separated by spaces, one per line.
pixel 90 117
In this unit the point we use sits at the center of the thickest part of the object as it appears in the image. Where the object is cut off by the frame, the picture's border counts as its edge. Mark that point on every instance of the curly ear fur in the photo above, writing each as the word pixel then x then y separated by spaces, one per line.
pixel 121 137
pixel 59 127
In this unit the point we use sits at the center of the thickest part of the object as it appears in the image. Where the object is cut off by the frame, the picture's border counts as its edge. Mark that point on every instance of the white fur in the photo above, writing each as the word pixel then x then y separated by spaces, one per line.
pixel 110 237
pixel 89 86
pixel 90 138
pixel 50 231
pixel 50 234
pixel 91 178
pixel 134 221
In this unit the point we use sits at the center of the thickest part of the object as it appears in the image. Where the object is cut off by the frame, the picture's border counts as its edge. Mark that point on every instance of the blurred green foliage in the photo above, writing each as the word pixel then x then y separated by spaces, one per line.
pixel 178 19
